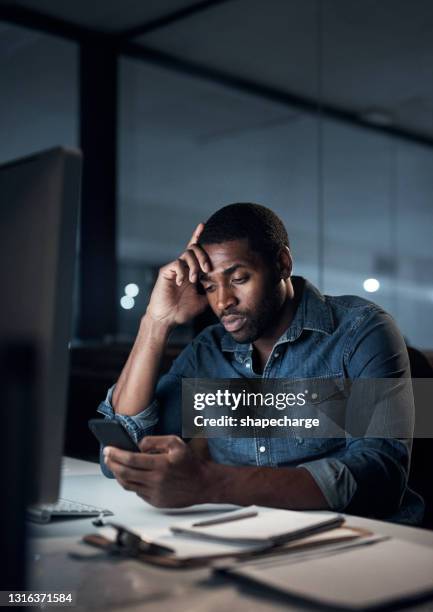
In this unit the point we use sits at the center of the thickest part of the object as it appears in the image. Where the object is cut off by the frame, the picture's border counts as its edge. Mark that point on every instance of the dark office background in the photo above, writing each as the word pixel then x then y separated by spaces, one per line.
pixel 319 109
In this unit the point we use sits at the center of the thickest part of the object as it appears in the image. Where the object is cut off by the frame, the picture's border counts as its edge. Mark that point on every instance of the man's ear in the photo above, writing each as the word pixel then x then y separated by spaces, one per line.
pixel 285 263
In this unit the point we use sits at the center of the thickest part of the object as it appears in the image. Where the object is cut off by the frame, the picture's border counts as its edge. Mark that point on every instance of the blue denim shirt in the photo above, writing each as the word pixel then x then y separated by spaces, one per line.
pixel 329 337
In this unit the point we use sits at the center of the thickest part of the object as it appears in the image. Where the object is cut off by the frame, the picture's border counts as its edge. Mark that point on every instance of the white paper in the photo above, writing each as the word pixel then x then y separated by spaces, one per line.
pixel 186 547
pixel 268 525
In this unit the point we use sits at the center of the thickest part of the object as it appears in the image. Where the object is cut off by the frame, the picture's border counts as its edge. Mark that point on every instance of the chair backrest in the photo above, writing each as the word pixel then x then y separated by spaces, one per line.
pixel 421 472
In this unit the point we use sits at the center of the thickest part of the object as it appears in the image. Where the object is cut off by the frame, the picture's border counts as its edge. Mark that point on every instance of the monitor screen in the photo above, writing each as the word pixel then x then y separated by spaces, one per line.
pixel 40 198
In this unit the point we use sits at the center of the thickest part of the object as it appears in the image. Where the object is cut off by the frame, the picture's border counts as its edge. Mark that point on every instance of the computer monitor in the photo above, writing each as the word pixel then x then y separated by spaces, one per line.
pixel 40 198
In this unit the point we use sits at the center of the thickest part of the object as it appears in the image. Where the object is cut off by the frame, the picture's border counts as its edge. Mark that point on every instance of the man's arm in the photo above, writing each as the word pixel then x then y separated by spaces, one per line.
pixel 136 385
pixel 290 488
pixel 168 474
pixel 369 476
pixel 174 301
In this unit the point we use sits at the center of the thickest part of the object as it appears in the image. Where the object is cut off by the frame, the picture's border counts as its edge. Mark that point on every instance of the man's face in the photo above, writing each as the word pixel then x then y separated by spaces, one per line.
pixel 242 289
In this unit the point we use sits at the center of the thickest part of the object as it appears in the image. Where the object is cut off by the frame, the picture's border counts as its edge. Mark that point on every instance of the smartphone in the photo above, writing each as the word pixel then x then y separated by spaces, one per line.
pixel 112 433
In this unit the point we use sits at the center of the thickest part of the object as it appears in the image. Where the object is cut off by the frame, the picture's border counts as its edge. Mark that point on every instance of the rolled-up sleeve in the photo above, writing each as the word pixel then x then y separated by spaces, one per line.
pixel 139 425
pixel 368 476
pixel 335 481
pixel 164 414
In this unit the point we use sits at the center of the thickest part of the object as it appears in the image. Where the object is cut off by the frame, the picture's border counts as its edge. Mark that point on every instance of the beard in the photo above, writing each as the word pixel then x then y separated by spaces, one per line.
pixel 265 317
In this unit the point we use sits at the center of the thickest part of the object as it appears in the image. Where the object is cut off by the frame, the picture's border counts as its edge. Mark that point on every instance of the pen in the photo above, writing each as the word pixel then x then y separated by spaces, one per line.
pixel 224 519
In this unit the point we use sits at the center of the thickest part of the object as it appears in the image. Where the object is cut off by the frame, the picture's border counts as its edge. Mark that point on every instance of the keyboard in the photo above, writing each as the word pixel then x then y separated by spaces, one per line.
pixel 63 508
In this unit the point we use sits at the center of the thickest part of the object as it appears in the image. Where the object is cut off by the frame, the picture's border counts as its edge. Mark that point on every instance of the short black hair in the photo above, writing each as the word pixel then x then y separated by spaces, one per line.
pixel 264 230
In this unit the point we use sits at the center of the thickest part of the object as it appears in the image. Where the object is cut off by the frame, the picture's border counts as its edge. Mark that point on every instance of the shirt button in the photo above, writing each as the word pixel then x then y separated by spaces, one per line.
pixel 314 396
pixel 299 440
pixel 262 449
pixel 276 355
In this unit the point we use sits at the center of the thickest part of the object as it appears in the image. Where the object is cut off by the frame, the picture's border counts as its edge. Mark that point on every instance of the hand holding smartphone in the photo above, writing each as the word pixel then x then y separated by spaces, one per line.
pixel 112 433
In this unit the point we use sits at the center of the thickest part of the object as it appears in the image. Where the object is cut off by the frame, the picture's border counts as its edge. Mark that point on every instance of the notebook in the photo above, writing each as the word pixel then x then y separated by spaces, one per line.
pixel 373 574
pixel 186 549
pixel 259 526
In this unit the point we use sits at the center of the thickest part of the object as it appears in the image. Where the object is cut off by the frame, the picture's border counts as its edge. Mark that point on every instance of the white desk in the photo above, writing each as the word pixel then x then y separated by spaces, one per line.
pixel 101 582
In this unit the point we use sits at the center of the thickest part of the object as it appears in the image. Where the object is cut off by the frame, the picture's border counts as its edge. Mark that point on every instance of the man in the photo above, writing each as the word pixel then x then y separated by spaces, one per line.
pixel 272 325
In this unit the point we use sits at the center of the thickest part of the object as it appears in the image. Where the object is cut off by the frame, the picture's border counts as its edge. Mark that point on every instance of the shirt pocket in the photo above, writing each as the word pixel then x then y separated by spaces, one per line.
pixel 325 400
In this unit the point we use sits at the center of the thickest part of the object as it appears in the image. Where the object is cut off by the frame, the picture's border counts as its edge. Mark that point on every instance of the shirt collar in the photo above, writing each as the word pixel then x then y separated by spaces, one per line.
pixel 313 313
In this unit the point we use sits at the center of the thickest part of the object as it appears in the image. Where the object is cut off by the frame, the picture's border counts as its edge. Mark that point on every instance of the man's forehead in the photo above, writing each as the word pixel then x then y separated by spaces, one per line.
pixel 226 255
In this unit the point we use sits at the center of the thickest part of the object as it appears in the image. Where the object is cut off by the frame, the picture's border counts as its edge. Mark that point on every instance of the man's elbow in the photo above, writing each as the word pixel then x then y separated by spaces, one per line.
pixel 379 493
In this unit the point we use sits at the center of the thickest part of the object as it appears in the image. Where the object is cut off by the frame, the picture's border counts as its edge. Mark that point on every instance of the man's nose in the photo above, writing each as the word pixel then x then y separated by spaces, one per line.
pixel 225 299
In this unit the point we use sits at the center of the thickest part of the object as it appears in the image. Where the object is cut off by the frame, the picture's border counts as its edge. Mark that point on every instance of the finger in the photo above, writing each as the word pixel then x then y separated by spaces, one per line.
pixel 195 235
pixel 193 264
pixel 161 444
pixel 125 474
pixel 202 257
pixel 138 461
pixel 136 487
pixel 144 494
pixel 180 269
pixel 140 466
pixel 128 486
pixel 131 479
